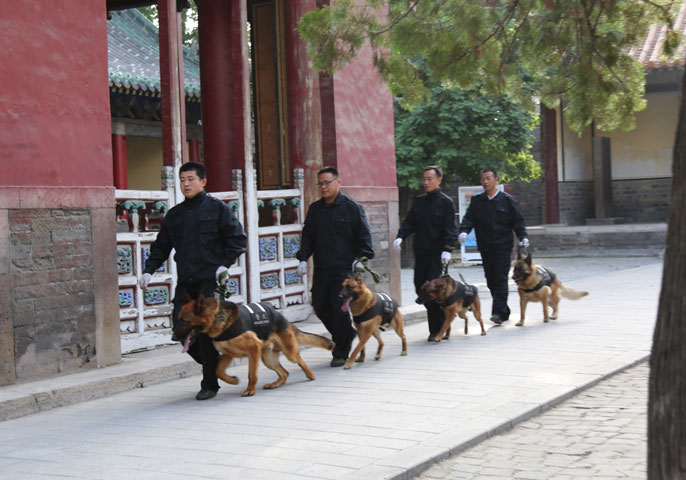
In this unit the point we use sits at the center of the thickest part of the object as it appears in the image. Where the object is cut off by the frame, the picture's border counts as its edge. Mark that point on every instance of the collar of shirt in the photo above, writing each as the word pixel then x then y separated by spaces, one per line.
pixel 494 195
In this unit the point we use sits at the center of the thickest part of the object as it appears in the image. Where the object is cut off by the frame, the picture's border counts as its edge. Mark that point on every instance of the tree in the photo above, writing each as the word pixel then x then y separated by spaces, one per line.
pixel 568 50
pixel 461 131
pixel 189 22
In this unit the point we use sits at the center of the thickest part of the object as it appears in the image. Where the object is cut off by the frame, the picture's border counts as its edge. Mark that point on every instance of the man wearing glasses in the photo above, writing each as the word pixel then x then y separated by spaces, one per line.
pixel 335 232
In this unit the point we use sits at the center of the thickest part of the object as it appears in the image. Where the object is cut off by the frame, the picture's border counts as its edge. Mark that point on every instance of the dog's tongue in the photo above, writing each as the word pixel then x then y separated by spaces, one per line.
pixel 346 306
pixel 187 342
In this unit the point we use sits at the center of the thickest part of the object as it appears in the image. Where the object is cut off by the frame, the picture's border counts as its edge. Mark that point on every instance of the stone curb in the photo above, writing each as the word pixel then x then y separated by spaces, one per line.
pixel 420 467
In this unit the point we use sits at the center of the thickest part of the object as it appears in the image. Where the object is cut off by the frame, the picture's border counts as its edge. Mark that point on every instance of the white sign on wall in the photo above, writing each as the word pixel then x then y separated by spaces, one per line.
pixel 468 250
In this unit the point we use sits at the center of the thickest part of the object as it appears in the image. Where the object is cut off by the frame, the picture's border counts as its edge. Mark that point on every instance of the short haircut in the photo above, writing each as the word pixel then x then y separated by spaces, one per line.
pixel 198 168
pixel 436 169
pixel 486 170
pixel 330 170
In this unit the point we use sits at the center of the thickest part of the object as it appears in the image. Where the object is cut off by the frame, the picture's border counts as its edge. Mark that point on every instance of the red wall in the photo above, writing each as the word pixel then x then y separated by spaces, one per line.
pixel 54 100
pixel 365 141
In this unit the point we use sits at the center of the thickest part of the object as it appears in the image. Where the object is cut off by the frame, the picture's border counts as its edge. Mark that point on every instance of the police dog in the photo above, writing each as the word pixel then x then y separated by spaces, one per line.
pixel 371 313
pixel 538 284
pixel 255 330
pixel 455 299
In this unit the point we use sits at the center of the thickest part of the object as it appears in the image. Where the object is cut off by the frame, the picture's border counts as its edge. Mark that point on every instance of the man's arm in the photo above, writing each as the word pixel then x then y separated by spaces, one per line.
pixel 408 226
pixel 306 239
pixel 450 230
pixel 364 247
pixel 518 224
pixel 235 240
pixel 159 249
pixel 467 222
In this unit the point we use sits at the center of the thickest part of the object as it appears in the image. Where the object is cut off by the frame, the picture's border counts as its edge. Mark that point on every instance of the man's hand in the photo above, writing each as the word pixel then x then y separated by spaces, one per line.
pixel 358 266
pixel 302 268
pixel 462 238
pixel 222 275
pixel 396 243
pixel 524 242
pixel 144 281
pixel 445 257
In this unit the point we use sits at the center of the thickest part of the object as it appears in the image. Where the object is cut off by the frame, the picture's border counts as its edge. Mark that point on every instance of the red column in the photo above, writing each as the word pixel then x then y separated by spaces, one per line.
pixel 121 179
pixel 222 119
pixel 549 133
pixel 171 81
pixel 194 151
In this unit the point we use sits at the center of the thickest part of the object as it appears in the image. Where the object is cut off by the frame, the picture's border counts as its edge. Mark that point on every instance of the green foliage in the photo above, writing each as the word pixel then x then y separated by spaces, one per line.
pixel 572 51
pixel 464 132
pixel 189 21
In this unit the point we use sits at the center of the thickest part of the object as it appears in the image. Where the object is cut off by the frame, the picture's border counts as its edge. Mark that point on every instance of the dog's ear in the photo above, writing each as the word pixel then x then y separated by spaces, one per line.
pixel 350 275
pixel 528 259
pixel 186 298
pixel 358 278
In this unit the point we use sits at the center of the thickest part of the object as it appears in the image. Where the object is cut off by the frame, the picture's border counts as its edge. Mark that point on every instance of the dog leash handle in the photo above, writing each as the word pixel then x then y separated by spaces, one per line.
pixel 445 269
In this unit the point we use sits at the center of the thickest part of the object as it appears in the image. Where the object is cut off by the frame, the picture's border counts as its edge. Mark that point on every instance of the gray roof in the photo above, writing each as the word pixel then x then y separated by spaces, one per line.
pixel 134 56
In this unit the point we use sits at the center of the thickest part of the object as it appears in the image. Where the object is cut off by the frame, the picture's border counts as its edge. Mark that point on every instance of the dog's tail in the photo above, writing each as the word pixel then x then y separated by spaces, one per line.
pixel 314 340
pixel 572 293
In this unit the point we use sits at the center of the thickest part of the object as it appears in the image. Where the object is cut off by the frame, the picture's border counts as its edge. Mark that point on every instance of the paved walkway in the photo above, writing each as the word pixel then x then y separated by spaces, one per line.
pixel 599 434
pixel 387 419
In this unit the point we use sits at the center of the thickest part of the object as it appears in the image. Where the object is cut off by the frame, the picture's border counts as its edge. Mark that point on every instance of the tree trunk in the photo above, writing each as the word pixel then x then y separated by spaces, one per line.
pixel 667 386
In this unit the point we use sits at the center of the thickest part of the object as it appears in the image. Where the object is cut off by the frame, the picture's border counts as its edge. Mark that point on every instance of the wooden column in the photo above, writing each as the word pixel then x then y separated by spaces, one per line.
pixel 121 180
pixel 221 116
pixel 173 94
pixel 552 195
pixel 194 151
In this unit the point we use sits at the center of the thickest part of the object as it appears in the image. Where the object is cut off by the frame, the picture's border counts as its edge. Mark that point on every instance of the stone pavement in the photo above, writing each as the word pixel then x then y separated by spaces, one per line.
pixel 388 419
pixel 600 433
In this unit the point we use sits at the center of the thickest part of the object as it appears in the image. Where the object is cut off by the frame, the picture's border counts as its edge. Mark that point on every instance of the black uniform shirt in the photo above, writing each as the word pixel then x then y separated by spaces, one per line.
pixel 336 234
pixel 432 220
pixel 205 235
pixel 494 220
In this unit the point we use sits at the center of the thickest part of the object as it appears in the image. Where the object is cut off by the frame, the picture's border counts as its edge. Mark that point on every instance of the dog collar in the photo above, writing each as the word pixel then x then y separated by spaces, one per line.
pixel 547 278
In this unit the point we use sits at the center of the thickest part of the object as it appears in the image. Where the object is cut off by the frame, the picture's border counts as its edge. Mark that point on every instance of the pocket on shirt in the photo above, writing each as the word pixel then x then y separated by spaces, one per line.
pixel 209 225
pixel 503 216
pixel 341 225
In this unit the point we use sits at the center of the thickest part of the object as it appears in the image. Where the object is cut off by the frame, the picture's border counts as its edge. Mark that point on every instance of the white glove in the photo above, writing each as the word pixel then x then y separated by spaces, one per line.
pixel 222 275
pixel 396 243
pixel 524 242
pixel 302 268
pixel 462 238
pixel 357 266
pixel 445 257
pixel 143 282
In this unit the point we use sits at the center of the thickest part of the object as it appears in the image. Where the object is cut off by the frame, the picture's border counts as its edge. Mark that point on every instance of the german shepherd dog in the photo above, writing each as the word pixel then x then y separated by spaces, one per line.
pixel 371 313
pixel 538 284
pixel 255 330
pixel 455 299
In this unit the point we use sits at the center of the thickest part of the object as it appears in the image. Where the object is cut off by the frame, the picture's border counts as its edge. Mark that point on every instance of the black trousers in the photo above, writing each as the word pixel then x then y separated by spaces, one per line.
pixel 326 285
pixel 202 350
pixel 496 262
pixel 429 267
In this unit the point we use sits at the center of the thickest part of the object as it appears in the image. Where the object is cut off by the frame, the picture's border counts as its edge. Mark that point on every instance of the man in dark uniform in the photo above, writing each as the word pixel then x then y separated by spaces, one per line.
pixel 494 214
pixel 336 232
pixel 207 239
pixel 432 220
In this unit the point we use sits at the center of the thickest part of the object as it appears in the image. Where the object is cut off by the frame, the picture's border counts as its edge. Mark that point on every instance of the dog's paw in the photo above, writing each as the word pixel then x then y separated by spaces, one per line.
pixel 347 367
pixel 483 333
pixel 519 324
pixel 553 318
pixel 248 393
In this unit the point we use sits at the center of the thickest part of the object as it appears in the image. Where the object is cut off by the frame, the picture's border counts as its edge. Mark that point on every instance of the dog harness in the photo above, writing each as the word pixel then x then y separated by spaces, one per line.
pixel 384 306
pixel 465 292
pixel 256 317
pixel 547 278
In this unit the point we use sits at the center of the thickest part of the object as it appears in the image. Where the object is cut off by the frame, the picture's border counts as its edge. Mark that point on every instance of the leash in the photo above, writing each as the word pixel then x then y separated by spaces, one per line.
pixel 445 269
pixel 522 251
pixel 222 290
pixel 365 268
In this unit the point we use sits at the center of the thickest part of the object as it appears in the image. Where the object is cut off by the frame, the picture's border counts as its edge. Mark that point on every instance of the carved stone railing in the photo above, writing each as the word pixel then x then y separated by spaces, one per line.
pixel 145 317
